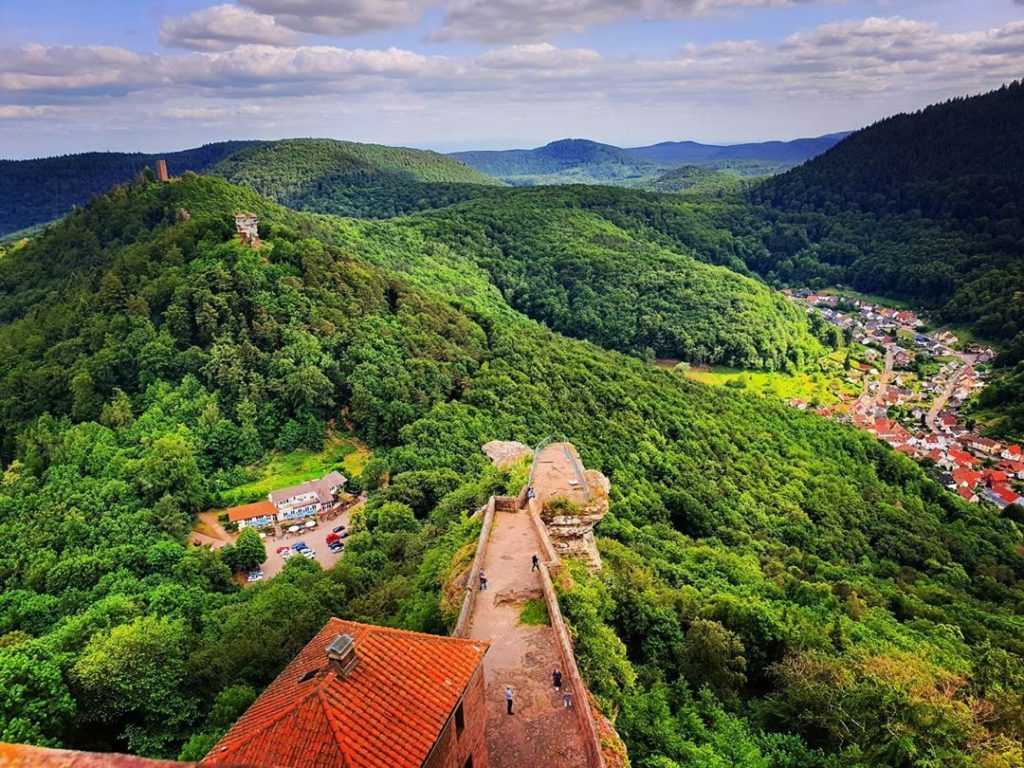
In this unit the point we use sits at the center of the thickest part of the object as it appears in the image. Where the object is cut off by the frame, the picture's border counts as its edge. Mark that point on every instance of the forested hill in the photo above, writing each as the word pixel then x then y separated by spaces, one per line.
pixel 926 206
pixel 693 153
pixel 357 179
pixel 963 159
pixel 366 180
pixel 36 191
pixel 562 162
pixel 778 589
pixel 579 260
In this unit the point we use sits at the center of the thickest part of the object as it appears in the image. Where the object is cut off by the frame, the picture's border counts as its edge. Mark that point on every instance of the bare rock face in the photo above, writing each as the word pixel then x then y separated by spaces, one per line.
pixel 571 527
pixel 503 453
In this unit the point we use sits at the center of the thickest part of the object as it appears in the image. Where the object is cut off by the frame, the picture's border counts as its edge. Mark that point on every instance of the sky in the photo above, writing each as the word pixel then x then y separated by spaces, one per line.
pixel 134 75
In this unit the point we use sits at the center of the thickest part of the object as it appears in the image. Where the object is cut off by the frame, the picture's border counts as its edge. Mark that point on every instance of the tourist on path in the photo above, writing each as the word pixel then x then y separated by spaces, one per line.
pixel 567 698
pixel 536 564
pixel 556 680
pixel 483 580
pixel 508 698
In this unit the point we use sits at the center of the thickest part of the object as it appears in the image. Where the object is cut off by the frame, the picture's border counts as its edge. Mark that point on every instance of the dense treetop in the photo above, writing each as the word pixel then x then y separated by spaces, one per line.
pixel 779 590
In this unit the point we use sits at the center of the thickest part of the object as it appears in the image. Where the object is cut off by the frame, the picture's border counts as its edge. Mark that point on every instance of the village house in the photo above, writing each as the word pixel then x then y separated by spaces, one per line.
pixel 1013 468
pixel 308 498
pixel 956 458
pixel 298 501
pixel 362 696
pixel 1002 496
pixel 256 515
pixel 985 445
pixel 1012 453
pixel 967 494
pixel 966 478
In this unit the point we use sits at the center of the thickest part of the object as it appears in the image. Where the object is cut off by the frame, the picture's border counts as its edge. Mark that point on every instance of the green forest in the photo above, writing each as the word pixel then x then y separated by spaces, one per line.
pixel 778 590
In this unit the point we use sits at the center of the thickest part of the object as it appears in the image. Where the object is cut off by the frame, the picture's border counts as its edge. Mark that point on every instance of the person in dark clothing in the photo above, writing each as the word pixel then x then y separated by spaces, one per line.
pixel 556 679
pixel 508 699
pixel 483 580
pixel 536 564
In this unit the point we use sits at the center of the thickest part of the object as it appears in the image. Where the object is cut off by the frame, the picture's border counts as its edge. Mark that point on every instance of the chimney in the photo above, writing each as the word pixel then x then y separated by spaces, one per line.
pixel 161 170
pixel 341 654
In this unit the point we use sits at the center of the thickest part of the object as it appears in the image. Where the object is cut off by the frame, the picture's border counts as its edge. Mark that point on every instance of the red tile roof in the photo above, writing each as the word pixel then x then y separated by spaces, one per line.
pixel 24 756
pixel 387 713
pixel 967 477
pixel 248 511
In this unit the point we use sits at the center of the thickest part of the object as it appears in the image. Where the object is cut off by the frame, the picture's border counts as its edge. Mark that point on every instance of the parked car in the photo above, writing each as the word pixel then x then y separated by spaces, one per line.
pixel 338 529
pixel 309 554
pixel 344 534
pixel 298 546
pixel 256 575
pixel 336 546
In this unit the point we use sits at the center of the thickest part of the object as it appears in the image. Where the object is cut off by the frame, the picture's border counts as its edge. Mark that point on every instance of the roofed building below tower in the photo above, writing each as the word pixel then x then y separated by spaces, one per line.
pixel 361 696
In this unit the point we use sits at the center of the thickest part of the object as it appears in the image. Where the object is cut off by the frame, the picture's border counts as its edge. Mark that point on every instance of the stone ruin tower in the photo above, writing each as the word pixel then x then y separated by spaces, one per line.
pixel 247 226
pixel 161 170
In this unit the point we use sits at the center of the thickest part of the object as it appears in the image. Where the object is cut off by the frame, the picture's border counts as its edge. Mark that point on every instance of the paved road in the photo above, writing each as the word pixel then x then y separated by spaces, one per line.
pixel 940 401
pixel 541 732
pixel 883 381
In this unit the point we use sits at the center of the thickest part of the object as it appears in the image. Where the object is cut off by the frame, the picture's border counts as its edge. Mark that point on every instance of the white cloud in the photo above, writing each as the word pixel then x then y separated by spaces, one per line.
pixel 224 26
pixel 341 17
pixel 516 21
pixel 827 78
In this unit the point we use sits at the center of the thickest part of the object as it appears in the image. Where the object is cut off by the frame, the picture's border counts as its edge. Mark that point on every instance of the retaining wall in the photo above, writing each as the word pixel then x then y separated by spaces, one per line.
pixel 581 701
pixel 466 612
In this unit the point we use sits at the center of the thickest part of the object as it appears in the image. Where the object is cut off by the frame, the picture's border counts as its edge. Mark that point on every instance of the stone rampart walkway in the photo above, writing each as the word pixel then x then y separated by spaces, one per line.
pixel 541 733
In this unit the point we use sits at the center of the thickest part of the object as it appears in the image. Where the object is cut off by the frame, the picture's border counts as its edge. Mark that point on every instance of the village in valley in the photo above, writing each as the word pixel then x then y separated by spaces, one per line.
pixel 908 386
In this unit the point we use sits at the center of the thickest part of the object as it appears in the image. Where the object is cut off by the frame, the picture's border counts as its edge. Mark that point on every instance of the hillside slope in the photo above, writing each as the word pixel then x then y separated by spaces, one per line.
pixel 788 153
pixel 36 191
pixel 561 258
pixel 778 589
pixel 926 206
pixel 346 177
pixel 566 161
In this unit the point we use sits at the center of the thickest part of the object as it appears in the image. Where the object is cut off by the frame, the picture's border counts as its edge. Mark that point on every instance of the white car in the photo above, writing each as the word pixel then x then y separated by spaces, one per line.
pixel 255 576
pixel 309 554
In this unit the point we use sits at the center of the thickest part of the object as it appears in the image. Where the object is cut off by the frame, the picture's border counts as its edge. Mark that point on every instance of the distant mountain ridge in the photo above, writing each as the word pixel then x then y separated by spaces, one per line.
pixel 569 161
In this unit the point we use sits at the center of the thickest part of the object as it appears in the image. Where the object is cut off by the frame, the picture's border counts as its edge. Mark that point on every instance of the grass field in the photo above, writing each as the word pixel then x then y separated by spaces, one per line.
pixel 819 388
pixel 882 301
pixel 345 454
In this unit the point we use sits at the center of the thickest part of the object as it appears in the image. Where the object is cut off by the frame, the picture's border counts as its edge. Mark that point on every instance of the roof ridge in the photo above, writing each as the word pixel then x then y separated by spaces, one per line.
pixel 425 635
pixel 334 724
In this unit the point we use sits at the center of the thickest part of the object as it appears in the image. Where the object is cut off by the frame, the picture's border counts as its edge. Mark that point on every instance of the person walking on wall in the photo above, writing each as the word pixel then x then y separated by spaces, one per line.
pixel 536 564
pixel 556 680
pixel 508 699
pixel 483 580
pixel 567 699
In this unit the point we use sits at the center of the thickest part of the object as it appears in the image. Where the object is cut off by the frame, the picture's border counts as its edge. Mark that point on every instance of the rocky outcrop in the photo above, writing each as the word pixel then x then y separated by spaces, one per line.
pixel 571 524
pixel 504 453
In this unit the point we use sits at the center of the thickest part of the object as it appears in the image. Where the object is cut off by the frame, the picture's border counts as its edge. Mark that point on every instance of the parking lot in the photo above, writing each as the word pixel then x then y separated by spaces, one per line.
pixel 316 538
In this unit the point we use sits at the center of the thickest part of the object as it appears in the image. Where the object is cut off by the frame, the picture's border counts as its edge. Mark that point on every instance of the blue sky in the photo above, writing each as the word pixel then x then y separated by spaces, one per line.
pixel 453 74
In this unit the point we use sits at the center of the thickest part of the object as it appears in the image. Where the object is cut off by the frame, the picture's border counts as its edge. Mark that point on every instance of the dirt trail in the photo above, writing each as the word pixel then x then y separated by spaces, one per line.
pixel 541 732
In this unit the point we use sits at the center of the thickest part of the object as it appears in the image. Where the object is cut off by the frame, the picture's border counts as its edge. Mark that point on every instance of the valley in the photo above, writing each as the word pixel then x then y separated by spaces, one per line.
pixel 792 546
